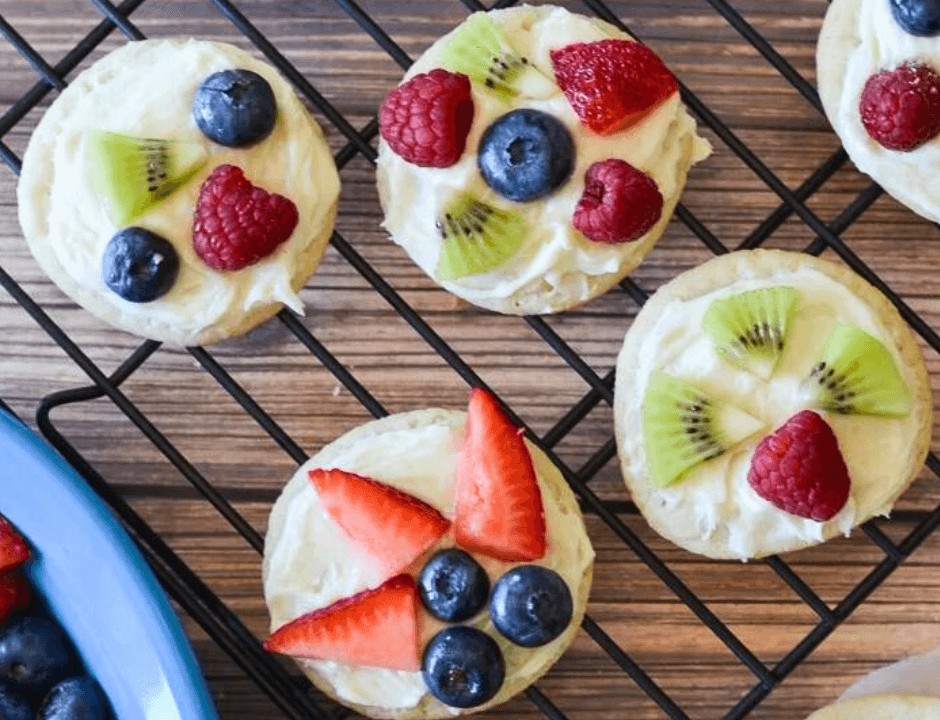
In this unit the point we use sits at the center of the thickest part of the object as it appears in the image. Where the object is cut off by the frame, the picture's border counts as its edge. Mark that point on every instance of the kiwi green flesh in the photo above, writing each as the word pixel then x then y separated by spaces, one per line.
pixel 683 427
pixel 477 49
pixel 135 174
pixel 476 238
pixel 749 329
pixel 857 375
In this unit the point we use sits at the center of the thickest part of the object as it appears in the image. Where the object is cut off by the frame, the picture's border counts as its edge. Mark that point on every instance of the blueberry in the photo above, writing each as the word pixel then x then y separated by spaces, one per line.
pixel 235 108
pixel 918 17
pixel 453 586
pixel 525 155
pixel 463 667
pixel 531 605
pixel 34 655
pixel 13 706
pixel 77 698
pixel 139 265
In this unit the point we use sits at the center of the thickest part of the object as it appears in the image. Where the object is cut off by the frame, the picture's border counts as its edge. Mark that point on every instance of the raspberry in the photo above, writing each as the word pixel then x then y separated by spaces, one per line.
pixel 619 203
pixel 426 120
pixel 800 470
pixel 612 84
pixel 900 108
pixel 237 223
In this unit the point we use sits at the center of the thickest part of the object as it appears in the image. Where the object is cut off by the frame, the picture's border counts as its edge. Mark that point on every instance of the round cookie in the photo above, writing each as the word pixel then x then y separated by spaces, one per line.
pixel 309 563
pixel 554 266
pixel 882 707
pixel 146 89
pixel 859 39
pixel 712 509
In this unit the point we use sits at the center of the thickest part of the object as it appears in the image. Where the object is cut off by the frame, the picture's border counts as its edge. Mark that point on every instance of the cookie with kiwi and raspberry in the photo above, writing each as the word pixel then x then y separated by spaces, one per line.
pixel 383 549
pixel 532 157
pixel 767 401
pixel 132 213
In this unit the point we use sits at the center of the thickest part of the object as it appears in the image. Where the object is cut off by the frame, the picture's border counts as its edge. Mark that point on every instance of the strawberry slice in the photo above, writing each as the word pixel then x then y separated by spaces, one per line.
pixel 499 504
pixel 391 526
pixel 612 84
pixel 378 628
pixel 13 549
pixel 14 595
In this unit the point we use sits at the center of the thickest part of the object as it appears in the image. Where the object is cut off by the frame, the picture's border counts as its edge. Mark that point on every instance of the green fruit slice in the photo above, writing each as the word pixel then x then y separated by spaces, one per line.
pixel 857 375
pixel 683 427
pixel 478 50
pixel 134 174
pixel 476 237
pixel 750 329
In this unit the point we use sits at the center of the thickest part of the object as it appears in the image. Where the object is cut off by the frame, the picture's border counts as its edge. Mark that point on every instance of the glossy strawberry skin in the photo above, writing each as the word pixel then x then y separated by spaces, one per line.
pixel 375 628
pixel 612 84
pixel 800 470
pixel 15 595
pixel 499 504
pixel 390 526
pixel 13 548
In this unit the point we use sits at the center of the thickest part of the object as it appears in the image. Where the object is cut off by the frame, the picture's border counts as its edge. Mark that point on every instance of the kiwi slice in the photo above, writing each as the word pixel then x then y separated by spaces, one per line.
pixel 134 174
pixel 478 50
pixel 749 329
pixel 683 427
pixel 856 375
pixel 476 237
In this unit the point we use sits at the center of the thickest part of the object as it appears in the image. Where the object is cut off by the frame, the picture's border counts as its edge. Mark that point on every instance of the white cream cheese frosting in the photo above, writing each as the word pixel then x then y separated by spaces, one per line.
pixel 146 89
pixel 557 266
pixel 309 563
pixel 714 509
pixel 860 38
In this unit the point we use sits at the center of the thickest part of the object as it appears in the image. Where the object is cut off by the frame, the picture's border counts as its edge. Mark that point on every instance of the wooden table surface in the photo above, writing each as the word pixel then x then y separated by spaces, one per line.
pixel 403 372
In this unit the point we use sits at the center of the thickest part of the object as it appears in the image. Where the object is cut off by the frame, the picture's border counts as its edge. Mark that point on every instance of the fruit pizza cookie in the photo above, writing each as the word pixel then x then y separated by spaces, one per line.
pixel 179 190
pixel 532 157
pixel 766 401
pixel 878 68
pixel 426 564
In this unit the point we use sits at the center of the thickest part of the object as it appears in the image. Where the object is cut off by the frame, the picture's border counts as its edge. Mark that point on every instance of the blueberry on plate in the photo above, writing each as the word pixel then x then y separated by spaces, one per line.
pixel 531 605
pixel 77 698
pixel 13 706
pixel 525 155
pixel 235 108
pixel 917 17
pixel 453 586
pixel 34 655
pixel 138 265
pixel 463 667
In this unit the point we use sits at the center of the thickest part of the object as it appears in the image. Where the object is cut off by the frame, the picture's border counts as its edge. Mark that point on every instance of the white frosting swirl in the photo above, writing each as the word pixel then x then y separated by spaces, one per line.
pixel 556 265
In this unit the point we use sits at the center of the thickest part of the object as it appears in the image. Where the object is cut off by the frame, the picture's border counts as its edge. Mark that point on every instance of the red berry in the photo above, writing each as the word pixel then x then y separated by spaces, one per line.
pixel 393 527
pixel 499 503
pixel 14 595
pixel 378 628
pixel 426 120
pixel 900 108
pixel 238 224
pixel 619 203
pixel 800 470
pixel 13 549
pixel 612 84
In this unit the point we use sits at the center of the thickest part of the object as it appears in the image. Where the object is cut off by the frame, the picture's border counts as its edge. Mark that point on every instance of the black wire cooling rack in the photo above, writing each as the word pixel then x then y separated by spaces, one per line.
pixel 297 699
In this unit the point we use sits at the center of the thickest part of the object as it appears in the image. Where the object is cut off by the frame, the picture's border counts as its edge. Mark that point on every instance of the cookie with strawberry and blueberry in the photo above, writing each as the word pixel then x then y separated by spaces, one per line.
pixel 178 189
pixel 426 564
pixel 767 401
pixel 878 70
pixel 532 157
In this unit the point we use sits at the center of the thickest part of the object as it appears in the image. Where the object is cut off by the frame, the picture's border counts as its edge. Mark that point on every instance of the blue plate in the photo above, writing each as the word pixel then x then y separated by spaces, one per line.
pixel 95 581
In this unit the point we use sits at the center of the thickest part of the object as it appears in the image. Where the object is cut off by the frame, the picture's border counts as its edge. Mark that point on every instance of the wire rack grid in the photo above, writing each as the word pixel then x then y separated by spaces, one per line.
pixel 295 698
